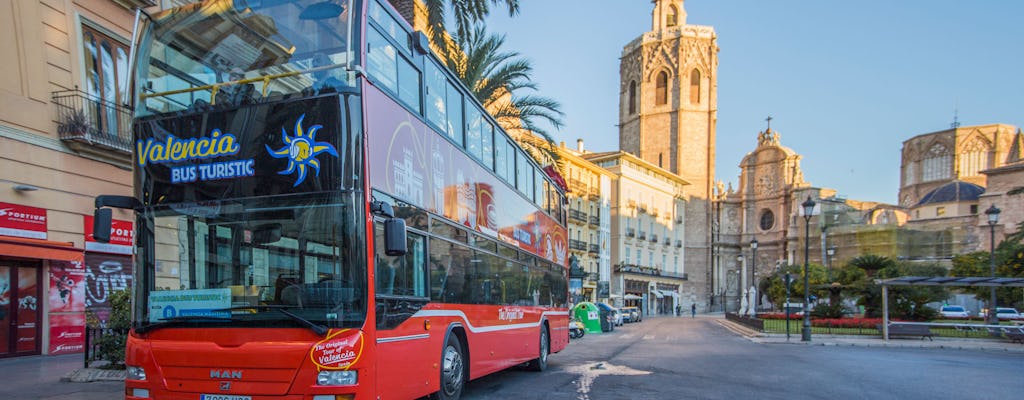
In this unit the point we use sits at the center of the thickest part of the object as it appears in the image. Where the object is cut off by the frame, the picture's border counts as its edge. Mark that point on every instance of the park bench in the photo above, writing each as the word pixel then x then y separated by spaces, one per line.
pixel 1014 334
pixel 908 330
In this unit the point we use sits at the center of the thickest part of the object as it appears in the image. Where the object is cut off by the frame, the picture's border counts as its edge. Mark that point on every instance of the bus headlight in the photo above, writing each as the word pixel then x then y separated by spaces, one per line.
pixel 334 378
pixel 136 373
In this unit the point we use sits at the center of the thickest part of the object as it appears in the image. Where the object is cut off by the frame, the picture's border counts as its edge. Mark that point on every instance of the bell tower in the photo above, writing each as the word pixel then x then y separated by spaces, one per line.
pixel 667 116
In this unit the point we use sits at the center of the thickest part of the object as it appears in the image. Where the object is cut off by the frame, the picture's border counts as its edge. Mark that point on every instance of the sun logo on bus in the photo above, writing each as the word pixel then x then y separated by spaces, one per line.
pixel 301 151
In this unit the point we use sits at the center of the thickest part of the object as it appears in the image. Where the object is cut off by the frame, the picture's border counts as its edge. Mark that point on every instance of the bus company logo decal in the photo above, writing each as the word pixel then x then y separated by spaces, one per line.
pixel 301 150
pixel 340 350
pixel 225 374
pixel 510 313
pixel 176 150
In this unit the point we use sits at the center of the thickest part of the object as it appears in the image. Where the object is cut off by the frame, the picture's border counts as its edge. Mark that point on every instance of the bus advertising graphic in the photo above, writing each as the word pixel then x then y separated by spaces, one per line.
pixel 301 150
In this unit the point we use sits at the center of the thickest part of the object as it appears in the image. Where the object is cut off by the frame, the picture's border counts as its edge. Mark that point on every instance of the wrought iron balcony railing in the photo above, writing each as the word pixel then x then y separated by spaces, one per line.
pixel 577 245
pixel 630 232
pixel 84 119
pixel 594 220
pixel 593 249
pixel 578 216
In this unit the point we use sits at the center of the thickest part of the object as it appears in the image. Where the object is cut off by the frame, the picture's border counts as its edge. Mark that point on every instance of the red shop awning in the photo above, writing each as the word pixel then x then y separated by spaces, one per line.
pixel 41 249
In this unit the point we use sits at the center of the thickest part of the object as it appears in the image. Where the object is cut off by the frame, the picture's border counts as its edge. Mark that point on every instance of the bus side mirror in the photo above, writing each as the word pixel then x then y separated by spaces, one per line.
pixel 101 221
pixel 394 237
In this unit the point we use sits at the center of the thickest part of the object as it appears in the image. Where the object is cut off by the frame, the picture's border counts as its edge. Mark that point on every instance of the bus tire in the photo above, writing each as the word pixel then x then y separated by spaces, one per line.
pixel 453 370
pixel 540 363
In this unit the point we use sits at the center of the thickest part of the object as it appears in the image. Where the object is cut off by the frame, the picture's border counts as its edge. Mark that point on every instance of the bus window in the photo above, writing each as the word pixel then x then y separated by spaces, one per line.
pixel 403 275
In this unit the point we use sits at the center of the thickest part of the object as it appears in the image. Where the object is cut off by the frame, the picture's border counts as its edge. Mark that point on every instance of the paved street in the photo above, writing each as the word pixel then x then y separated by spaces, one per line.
pixel 699 358
pixel 691 358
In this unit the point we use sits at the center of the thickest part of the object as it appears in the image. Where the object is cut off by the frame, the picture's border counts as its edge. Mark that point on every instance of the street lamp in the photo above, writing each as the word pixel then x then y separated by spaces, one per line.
pixel 805 333
pixel 993 218
pixel 831 252
pixel 753 268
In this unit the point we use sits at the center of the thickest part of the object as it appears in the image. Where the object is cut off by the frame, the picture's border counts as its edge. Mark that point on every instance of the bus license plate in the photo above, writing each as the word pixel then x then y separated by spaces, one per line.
pixel 223 397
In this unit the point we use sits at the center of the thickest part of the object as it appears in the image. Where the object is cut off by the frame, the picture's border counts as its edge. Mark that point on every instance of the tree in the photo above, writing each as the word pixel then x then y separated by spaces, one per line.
pixel 496 78
pixel 905 302
pixel 466 14
pixel 1009 263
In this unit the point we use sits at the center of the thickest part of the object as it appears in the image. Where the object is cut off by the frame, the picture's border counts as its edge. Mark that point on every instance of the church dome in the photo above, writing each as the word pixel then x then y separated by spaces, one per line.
pixel 953 192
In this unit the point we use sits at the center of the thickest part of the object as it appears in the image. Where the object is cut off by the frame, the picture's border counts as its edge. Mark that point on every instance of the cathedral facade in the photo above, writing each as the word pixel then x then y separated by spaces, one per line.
pixel 667 117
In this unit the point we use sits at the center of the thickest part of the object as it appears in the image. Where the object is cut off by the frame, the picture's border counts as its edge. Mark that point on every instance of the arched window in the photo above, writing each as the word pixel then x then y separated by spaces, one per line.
pixel 695 87
pixel 974 158
pixel 673 16
pixel 937 164
pixel 661 89
pixel 632 97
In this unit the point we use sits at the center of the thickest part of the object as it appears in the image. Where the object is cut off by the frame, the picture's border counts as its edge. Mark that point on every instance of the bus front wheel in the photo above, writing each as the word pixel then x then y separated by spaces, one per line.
pixel 453 376
pixel 541 362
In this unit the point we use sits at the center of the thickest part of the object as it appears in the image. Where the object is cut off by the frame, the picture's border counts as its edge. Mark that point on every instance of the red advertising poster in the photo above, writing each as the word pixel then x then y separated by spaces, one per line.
pixel 22 221
pixel 121 235
pixel 104 275
pixel 28 313
pixel 67 286
pixel 67 333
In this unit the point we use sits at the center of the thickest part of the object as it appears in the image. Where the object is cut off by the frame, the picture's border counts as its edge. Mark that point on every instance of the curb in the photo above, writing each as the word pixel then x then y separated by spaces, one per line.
pixel 94 375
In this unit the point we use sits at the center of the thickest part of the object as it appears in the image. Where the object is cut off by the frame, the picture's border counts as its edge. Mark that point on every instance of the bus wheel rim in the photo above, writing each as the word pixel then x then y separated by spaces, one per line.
pixel 452 370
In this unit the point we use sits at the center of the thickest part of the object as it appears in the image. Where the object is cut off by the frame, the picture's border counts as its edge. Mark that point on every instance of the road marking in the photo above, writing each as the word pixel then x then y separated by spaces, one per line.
pixel 589 372
pixel 648 337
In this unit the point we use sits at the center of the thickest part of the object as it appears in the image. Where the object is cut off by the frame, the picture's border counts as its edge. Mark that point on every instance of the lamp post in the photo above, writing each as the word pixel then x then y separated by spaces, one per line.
pixel 831 252
pixel 753 269
pixel 741 274
pixel 789 278
pixel 805 333
pixel 993 218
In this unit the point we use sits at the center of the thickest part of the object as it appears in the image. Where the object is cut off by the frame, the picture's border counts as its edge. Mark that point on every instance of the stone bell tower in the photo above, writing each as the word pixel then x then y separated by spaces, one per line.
pixel 667 116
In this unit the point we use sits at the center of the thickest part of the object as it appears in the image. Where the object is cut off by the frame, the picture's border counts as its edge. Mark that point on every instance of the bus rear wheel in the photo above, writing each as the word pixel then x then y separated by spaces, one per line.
pixel 541 362
pixel 453 370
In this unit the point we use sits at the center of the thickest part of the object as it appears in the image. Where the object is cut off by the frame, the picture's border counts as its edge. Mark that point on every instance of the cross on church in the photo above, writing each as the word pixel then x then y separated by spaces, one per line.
pixel 769 119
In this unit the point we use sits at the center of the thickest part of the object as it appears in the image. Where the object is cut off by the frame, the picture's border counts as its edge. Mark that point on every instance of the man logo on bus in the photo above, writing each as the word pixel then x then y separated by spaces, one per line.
pixel 301 150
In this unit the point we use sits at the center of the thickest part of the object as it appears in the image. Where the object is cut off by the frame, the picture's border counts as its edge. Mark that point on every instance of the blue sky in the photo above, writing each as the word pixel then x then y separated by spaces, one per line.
pixel 846 82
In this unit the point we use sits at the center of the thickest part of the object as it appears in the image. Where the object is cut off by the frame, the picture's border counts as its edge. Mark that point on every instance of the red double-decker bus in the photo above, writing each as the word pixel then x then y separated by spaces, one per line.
pixel 324 212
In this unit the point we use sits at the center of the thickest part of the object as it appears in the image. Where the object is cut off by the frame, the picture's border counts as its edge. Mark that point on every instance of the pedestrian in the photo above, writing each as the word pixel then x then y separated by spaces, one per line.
pixel 679 310
pixel 693 310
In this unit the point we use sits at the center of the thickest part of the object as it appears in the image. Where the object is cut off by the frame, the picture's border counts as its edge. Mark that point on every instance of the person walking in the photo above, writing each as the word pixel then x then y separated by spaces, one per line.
pixel 679 310
pixel 693 310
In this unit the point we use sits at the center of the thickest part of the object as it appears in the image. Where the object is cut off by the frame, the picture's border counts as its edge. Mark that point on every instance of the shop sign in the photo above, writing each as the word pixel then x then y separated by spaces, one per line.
pixel 121 236
pixel 67 333
pixel 22 221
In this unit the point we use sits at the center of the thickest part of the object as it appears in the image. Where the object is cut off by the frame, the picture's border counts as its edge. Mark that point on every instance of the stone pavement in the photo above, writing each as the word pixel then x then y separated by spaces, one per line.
pixel 57 377
pixel 872 340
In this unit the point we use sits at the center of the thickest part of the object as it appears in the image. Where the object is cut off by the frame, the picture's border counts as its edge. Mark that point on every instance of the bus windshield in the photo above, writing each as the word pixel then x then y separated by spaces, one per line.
pixel 234 52
pixel 240 262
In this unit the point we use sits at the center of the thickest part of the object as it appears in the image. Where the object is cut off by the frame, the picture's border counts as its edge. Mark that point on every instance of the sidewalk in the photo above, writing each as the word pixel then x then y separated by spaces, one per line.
pixel 57 377
pixel 872 341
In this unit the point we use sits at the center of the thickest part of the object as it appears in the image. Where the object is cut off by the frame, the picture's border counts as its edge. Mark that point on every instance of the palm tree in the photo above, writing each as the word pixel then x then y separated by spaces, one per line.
pixel 466 13
pixel 495 77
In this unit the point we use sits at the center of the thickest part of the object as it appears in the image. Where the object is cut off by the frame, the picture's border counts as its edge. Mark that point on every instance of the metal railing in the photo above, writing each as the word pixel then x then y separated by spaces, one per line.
pixel 85 118
pixel 595 220
pixel 92 346
pixel 630 232
pixel 577 245
pixel 578 216
pixel 593 249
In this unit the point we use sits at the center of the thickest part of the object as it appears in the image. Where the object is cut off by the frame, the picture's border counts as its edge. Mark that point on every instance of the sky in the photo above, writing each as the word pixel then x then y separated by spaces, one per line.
pixel 845 82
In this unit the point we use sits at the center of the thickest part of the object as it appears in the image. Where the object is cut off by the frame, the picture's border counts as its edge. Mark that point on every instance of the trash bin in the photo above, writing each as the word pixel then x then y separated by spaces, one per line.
pixel 589 315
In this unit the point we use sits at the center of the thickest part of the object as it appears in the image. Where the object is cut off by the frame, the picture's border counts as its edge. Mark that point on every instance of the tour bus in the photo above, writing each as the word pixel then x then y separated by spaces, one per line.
pixel 324 211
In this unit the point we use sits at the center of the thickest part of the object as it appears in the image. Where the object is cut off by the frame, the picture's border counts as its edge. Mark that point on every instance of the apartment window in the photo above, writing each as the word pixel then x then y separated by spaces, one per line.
pixel 106 75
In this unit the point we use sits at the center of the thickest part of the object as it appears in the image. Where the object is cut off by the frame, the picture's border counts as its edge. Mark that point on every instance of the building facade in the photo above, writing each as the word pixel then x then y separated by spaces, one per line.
pixel 589 207
pixel 667 117
pixel 648 211
pixel 64 139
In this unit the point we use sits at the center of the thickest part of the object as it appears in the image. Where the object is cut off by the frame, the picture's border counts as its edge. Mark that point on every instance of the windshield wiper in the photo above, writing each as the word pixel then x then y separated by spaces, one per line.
pixel 165 322
pixel 317 328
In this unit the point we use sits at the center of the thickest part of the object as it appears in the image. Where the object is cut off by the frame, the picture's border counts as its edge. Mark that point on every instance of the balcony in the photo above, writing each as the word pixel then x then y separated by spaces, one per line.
pixel 654 238
pixel 643 235
pixel 591 278
pixel 88 124
pixel 679 243
pixel 642 208
pixel 594 194
pixel 679 219
pixel 630 232
pixel 577 245
pixel 668 242
pixel 594 249
pixel 578 216
pixel 631 203
pixel 595 220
